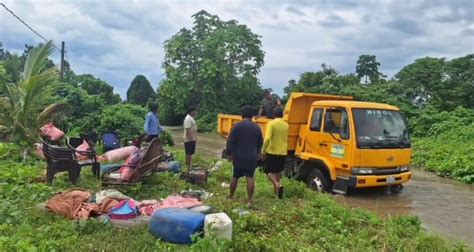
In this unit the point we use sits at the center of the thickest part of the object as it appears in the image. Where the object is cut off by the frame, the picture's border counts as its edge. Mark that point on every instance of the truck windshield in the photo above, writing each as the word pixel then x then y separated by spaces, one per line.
pixel 380 129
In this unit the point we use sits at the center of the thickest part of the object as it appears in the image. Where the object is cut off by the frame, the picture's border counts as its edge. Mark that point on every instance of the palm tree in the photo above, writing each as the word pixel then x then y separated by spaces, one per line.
pixel 24 105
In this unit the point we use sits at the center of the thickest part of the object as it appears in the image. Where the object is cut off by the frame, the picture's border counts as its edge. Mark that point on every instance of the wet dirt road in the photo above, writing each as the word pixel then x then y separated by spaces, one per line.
pixel 444 206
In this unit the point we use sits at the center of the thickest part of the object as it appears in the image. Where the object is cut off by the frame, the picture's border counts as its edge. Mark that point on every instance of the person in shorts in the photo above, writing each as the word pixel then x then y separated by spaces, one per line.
pixel 243 149
pixel 275 150
pixel 190 135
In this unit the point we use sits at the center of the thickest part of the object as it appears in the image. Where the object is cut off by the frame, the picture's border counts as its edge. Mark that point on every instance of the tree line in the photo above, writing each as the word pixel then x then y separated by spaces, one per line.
pixel 214 65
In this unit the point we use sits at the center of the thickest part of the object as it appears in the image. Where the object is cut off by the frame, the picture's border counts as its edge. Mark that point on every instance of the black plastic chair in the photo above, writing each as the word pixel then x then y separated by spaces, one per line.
pixel 73 143
pixel 60 159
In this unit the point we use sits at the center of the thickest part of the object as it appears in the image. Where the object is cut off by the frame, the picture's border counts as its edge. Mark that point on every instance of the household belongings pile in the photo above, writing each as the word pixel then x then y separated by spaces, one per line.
pixel 82 204
pixel 138 161
pixel 175 219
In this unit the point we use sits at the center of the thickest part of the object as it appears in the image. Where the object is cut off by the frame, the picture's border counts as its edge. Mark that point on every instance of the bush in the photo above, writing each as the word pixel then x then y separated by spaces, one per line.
pixel 448 153
pixel 126 120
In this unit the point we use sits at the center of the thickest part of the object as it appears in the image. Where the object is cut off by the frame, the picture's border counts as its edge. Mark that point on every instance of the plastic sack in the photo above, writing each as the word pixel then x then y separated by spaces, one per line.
pixel 218 224
pixel 50 131
pixel 83 147
pixel 118 154
pixel 125 173
pixel 38 151
pixel 134 159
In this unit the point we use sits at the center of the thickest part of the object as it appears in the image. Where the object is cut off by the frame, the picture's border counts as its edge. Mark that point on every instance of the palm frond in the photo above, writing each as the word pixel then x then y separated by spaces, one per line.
pixel 37 59
pixel 50 111
pixel 35 85
pixel 28 98
pixel 5 109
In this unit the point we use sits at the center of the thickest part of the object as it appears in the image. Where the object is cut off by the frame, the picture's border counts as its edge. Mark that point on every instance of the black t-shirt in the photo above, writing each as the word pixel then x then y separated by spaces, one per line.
pixel 245 142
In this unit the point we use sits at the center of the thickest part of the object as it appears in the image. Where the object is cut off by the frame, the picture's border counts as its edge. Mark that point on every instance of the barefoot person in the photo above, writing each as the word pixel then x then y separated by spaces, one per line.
pixel 190 135
pixel 275 150
pixel 243 148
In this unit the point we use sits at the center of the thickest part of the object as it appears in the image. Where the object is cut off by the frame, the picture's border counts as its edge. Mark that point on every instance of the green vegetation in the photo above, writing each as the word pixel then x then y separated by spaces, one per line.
pixel 140 91
pixel 303 219
pixel 23 107
pixel 448 149
pixel 213 66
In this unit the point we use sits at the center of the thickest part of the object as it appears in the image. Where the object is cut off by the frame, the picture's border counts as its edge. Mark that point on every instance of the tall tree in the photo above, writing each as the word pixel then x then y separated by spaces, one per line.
pixel 140 91
pixel 440 83
pixel 368 67
pixel 95 86
pixel 213 65
pixel 24 107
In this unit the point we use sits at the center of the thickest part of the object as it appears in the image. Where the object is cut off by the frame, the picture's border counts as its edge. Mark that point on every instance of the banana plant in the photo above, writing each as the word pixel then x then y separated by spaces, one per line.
pixel 24 105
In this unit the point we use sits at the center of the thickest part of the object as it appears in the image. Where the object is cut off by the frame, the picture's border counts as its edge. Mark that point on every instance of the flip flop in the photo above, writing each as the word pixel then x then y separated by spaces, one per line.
pixel 280 192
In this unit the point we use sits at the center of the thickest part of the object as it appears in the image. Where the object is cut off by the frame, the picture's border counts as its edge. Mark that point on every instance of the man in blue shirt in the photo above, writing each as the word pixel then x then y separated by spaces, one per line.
pixel 152 123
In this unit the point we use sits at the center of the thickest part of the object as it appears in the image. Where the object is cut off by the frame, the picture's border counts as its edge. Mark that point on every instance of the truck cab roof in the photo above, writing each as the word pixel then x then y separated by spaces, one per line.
pixel 354 104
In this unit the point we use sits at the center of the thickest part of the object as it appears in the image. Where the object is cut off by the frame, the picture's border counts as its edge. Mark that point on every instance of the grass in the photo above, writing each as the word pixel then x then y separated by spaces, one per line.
pixel 303 220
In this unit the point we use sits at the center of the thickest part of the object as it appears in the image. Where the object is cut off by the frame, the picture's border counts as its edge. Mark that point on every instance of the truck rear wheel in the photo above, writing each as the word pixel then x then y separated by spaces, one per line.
pixel 317 181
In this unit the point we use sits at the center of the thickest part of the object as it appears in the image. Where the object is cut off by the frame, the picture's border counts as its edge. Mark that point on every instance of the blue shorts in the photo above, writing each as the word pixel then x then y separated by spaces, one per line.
pixel 239 172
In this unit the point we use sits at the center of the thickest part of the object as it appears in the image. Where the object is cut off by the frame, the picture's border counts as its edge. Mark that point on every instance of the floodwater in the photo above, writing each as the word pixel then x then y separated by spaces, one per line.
pixel 443 205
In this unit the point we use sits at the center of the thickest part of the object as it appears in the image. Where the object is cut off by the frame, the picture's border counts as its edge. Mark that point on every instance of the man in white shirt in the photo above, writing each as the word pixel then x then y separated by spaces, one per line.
pixel 190 135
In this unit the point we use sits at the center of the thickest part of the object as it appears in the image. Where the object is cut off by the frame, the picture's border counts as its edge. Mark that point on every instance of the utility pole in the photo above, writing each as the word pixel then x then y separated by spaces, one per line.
pixel 61 70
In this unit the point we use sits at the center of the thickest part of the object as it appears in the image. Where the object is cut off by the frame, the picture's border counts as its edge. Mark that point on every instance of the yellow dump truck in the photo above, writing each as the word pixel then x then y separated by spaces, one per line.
pixel 335 143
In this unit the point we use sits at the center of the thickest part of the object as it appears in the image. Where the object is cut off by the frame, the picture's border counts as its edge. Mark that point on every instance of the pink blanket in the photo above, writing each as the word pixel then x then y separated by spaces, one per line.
pixel 148 207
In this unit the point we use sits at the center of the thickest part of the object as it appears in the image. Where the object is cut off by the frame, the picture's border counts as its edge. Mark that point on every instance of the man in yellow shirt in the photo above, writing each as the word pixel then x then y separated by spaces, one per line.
pixel 275 150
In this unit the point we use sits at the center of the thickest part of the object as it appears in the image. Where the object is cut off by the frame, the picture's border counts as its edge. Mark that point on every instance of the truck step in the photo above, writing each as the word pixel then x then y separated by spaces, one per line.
pixel 340 186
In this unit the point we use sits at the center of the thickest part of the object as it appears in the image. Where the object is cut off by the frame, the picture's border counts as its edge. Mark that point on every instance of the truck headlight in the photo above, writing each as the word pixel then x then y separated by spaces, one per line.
pixel 362 170
pixel 404 168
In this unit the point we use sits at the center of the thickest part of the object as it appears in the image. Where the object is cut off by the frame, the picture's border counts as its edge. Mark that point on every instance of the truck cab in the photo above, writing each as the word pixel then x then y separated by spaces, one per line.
pixel 336 143
pixel 353 144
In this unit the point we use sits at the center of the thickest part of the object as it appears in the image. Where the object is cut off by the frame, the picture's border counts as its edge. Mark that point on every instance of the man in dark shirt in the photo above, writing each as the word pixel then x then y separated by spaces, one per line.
pixel 243 148
pixel 269 104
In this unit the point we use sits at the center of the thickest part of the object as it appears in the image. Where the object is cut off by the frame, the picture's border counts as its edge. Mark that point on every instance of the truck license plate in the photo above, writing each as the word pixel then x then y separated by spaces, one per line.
pixel 391 179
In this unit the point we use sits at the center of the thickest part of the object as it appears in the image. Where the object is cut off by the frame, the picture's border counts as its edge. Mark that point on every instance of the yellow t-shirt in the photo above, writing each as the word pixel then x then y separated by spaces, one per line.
pixel 276 138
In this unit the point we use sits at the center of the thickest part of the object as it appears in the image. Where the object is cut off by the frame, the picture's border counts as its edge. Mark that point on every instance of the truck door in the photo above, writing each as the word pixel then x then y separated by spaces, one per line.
pixel 311 144
pixel 335 141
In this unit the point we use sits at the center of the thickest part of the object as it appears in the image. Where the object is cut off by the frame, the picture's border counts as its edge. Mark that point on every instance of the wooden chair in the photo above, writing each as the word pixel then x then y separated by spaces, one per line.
pixel 152 157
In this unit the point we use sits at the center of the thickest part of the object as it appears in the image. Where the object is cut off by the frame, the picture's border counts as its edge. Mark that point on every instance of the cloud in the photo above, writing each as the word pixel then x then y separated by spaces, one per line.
pixel 116 40
pixel 294 11
pixel 333 21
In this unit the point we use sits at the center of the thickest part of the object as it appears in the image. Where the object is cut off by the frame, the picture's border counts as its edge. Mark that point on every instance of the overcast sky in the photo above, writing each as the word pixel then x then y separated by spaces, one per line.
pixel 116 40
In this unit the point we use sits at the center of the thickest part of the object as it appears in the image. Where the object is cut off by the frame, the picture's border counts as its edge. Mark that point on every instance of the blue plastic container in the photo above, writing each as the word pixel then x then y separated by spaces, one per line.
pixel 174 166
pixel 176 225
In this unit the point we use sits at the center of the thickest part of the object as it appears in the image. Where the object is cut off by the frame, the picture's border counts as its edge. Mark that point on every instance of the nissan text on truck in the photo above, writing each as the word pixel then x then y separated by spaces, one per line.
pixel 336 143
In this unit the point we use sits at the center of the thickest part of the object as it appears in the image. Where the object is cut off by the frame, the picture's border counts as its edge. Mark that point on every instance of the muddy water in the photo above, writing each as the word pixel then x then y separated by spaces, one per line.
pixel 443 205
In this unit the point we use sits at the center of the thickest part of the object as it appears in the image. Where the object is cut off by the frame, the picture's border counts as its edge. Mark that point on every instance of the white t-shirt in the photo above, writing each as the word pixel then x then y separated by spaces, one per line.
pixel 190 123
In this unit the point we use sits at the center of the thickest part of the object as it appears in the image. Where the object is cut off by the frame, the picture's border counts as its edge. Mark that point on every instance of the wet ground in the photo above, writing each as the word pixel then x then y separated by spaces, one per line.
pixel 443 205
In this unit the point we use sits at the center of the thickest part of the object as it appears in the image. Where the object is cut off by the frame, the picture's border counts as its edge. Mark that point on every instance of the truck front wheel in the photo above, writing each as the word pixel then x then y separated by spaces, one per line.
pixel 317 181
